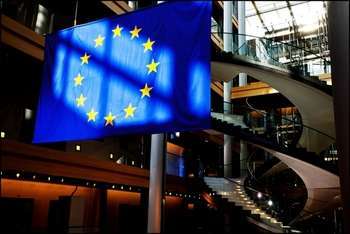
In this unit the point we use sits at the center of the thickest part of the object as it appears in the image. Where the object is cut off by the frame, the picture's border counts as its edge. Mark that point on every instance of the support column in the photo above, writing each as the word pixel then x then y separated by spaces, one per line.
pixel 227 87
pixel 156 182
pixel 243 155
pixel 241 38
pixel 338 17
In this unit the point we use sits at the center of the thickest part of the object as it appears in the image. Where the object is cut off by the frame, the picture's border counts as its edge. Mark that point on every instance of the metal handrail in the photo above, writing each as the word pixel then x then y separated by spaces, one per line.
pixel 269 39
pixel 279 116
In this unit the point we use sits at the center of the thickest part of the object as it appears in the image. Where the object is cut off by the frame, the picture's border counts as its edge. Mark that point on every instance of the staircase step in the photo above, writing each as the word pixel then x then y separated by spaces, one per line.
pixel 235 199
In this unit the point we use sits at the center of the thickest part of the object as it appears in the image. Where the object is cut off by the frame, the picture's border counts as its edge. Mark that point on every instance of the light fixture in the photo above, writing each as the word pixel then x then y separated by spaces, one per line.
pixel 132 163
pixel 28 114
pixel 34 177
pixel 49 178
pixel 119 161
pixel 113 186
pixel 62 180
pixel 111 156
pixel 259 195
pixel 2 134
pixel 177 134
pixel 77 147
pixel 121 187
pixel 18 175
pixel 94 185
pixel 270 203
pixel 87 183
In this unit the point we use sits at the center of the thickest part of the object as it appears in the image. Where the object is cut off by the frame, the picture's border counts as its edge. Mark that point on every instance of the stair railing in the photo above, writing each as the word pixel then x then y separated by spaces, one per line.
pixel 281 54
pixel 272 135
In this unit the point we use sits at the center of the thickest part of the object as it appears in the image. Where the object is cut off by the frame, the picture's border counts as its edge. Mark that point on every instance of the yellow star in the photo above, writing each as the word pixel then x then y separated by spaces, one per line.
pixel 78 80
pixel 152 67
pixel 92 115
pixel 146 91
pixel 148 45
pixel 80 100
pixel 109 119
pixel 129 111
pixel 85 59
pixel 117 31
pixel 99 41
pixel 135 32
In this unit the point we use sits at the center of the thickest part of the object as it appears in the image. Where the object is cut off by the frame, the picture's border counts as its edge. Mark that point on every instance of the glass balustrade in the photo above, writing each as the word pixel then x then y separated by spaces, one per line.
pixel 279 132
pixel 299 60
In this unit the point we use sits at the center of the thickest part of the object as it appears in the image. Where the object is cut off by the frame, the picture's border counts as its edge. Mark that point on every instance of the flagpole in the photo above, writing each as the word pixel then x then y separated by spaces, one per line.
pixel 156 198
pixel 76 12
pixel 157 183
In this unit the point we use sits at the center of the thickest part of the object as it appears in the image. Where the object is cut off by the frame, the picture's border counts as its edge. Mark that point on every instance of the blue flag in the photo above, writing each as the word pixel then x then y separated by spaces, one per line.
pixel 147 71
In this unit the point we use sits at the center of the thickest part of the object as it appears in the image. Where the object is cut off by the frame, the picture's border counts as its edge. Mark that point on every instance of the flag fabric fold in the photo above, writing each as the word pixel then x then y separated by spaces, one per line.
pixel 146 71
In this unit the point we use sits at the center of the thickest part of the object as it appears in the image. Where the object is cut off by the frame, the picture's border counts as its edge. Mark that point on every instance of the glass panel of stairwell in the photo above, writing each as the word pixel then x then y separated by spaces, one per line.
pixel 274 131
pixel 297 59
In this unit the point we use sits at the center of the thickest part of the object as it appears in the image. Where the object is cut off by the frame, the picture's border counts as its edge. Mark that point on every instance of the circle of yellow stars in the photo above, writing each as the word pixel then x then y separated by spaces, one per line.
pixel 129 111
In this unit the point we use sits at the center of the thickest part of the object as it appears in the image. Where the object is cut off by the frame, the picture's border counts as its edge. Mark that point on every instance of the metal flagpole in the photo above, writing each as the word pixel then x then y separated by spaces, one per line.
pixel 76 12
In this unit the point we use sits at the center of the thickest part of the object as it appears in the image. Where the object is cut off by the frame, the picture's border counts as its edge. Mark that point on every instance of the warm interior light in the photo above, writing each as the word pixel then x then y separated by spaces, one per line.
pixel 2 134
pixel 119 161
pixel 270 203
pixel 18 175
pixel 111 156
pixel 259 195
pixel 77 147
pixel 190 206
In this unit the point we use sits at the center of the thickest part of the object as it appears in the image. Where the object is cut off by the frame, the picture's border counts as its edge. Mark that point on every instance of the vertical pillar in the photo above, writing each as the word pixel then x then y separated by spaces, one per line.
pixel 103 219
pixel 243 156
pixel 338 16
pixel 242 80
pixel 227 87
pixel 241 38
pixel 156 180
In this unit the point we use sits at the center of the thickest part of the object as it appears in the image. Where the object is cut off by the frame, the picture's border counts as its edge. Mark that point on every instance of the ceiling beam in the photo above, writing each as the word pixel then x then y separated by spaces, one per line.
pixel 277 8
pixel 259 16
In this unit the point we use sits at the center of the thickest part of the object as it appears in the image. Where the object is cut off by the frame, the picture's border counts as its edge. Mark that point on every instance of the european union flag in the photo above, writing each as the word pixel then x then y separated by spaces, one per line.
pixel 147 71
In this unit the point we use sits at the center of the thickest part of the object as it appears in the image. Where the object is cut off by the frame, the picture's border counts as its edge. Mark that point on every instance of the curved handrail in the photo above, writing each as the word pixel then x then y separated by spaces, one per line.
pixel 263 113
pixel 281 139
pixel 247 187
pixel 279 116
pixel 269 39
